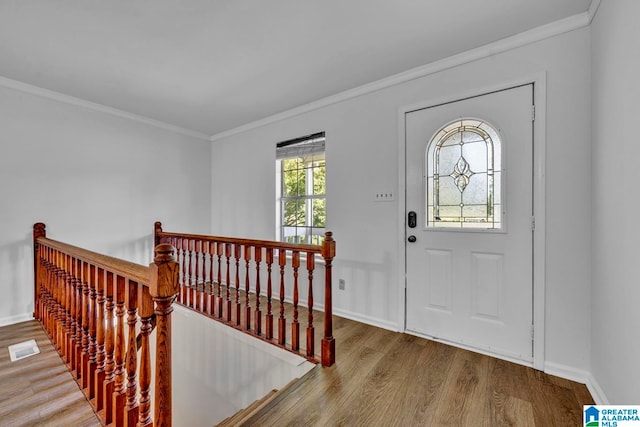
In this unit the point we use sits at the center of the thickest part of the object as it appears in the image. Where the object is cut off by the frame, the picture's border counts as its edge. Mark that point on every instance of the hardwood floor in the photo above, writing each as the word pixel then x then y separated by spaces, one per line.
pixel 381 378
pixel 39 390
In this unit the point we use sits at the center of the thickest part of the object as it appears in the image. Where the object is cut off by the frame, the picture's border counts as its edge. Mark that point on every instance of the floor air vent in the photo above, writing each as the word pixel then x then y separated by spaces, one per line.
pixel 23 349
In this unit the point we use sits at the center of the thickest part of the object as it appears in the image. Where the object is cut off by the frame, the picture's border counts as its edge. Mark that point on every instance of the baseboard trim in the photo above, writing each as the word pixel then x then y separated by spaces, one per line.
pixel 18 318
pixel 566 372
pixel 578 375
pixel 373 321
pixel 596 391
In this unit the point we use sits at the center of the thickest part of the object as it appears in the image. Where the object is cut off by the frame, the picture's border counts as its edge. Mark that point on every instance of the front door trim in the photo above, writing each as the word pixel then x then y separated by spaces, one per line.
pixel 539 200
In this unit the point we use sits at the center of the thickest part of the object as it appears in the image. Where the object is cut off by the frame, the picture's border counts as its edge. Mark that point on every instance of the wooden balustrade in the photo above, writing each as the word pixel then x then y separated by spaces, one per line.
pixel 222 277
pixel 76 293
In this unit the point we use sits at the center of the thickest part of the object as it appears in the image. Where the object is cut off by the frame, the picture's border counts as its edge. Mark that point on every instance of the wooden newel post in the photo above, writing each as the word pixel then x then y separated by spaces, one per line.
pixel 39 230
pixel 164 287
pixel 328 357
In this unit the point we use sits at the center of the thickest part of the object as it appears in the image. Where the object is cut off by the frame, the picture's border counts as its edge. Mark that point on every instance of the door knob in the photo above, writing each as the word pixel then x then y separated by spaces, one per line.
pixel 412 239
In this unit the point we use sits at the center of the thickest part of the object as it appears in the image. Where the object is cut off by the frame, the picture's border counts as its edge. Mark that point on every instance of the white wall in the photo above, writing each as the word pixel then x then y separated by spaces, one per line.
pixel 616 150
pixel 362 158
pixel 96 180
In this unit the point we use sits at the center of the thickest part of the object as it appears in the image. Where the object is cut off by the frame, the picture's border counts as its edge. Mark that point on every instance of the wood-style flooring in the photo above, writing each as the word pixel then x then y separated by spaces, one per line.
pixel 384 378
pixel 39 390
pixel 381 378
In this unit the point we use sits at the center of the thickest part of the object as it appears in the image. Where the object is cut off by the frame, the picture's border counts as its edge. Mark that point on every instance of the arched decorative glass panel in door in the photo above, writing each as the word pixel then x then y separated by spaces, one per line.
pixel 464 176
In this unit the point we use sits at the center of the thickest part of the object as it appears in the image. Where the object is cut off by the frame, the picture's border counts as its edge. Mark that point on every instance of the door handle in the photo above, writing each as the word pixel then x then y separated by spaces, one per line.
pixel 412 239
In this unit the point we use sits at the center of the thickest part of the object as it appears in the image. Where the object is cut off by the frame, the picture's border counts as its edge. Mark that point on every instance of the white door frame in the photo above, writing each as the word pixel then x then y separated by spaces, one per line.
pixel 539 200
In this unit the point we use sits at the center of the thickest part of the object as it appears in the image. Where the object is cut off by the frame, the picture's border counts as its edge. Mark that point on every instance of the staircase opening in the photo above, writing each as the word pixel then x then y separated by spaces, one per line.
pixel 218 371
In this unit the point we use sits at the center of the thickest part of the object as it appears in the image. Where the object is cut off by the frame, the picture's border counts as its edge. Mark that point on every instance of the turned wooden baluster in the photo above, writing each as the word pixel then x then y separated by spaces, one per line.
pixel 109 369
pixel 328 357
pixel 44 288
pixel 58 290
pixel 57 296
pixel 295 325
pixel 41 275
pixel 86 311
pixel 237 254
pixel 219 252
pixel 205 278
pixel 311 265
pixel 185 273
pixel 146 312
pixel 49 292
pixel 75 306
pixel 53 296
pixel 282 322
pixel 119 394
pixel 199 274
pixel 258 312
pixel 71 326
pixel 176 244
pixel 93 345
pixel 192 278
pixel 211 305
pixel 69 308
pixel 247 314
pixel 269 317
pixel 131 364
pixel 39 230
pixel 100 340
pixel 42 278
pixel 77 362
pixel 227 252
pixel 164 273
pixel 64 307
pixel 37 275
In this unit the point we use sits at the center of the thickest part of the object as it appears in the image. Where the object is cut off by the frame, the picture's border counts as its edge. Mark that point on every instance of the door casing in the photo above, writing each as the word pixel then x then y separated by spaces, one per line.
pixel 539 201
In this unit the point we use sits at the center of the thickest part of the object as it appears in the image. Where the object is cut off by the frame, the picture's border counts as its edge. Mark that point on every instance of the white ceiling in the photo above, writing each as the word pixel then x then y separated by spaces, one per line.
pixel 213 65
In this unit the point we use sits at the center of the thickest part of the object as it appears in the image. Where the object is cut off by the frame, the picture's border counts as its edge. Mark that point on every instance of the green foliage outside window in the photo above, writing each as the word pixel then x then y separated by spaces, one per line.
pixel 303 199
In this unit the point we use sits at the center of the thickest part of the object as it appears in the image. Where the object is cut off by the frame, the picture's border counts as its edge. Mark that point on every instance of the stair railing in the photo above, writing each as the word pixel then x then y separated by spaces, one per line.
pixel 81 298
pixel 224 278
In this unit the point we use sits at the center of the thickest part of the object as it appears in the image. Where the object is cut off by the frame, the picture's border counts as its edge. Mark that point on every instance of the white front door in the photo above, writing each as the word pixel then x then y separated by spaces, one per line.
pixel 469 224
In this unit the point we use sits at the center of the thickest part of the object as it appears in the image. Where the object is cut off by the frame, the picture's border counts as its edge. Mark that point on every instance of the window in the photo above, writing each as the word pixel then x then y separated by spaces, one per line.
pixel 300 180
pixel 463 176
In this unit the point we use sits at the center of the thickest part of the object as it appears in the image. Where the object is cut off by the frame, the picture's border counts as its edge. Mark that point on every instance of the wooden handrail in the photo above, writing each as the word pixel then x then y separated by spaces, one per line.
pixel 76 292
pixel 159 234
pixel 222 277
pixel 118 266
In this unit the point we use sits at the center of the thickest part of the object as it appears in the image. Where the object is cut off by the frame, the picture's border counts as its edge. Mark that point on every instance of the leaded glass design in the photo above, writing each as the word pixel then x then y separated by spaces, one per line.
pixel 463 176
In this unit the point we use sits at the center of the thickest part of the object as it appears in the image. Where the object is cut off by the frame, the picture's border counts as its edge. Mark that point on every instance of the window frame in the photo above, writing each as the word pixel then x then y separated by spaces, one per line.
pixel 313 156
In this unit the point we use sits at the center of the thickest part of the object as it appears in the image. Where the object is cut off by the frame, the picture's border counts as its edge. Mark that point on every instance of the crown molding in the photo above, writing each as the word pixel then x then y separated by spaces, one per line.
pixel 67 99
pixel 522 39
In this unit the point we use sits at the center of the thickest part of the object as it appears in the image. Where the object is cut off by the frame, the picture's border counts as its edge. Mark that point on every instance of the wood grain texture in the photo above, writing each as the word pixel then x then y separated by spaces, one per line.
pixel 39 390
pixel 383 378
